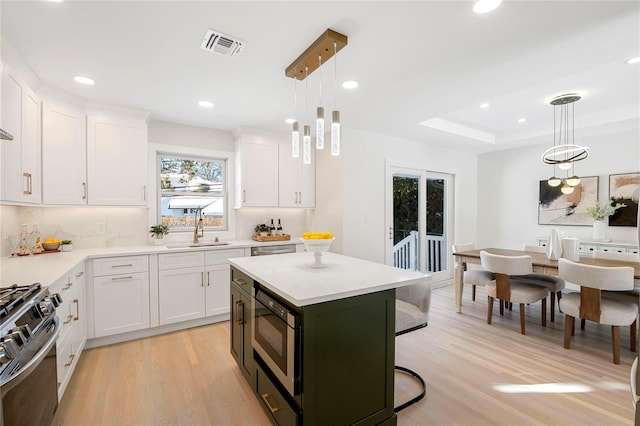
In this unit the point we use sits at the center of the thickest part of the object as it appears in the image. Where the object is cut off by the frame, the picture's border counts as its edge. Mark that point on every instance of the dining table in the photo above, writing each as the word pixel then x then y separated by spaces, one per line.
pixel 541 264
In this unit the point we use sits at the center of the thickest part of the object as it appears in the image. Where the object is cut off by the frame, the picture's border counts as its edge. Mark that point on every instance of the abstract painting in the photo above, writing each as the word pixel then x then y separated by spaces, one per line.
pixel 556 208
pixel 624 189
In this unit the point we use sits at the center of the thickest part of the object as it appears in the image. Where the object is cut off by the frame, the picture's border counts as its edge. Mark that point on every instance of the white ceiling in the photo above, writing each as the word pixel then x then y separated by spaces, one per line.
pixel 415 60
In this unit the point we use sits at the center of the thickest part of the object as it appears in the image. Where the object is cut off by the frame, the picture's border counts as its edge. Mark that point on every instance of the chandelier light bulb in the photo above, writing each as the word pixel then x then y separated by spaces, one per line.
pixel 306 145
pixel 573 181
pixel 320 128
pixel 564 165
pixel 335 133
pixel 295 140
pixel 554 181
pixel 566 189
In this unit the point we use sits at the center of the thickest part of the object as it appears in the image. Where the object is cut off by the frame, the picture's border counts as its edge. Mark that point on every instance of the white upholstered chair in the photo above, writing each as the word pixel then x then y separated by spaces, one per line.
pixel 592 304
pixel 412 313
pixel 507 288
pixel 553 283
pixel 473 277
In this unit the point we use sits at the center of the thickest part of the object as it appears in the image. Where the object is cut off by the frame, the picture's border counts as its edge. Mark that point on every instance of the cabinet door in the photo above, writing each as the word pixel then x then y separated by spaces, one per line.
pixel 259 174
pixel 63 155
pixel 236 324
pixel 288 176
pixel 217 277
pixel 31 136
pixel 121 303
pixel 117 161
pixel 181 294
pixel 11 150
pixel 307 184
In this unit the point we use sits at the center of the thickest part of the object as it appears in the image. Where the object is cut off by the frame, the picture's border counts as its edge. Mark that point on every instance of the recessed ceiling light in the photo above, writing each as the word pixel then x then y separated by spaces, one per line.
pixel 83 80
pixel 290 120
pixel 484 6
pixel 634 60
pixel 521 120
pixel 350 84
pixel 206 104
pixel 484 105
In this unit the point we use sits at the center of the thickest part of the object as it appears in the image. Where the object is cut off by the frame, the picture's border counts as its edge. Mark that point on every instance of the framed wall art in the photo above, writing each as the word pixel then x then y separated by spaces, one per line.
pixel 556 208
pixel 624 189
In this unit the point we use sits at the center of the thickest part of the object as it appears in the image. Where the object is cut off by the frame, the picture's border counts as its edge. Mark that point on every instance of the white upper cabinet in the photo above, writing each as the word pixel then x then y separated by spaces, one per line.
pixel 21 182
pixel 297 181
pixel 116 160
pixel 64 170
pixel 256 172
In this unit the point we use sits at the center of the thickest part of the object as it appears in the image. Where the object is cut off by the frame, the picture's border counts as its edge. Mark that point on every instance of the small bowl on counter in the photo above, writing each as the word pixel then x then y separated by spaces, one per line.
pixel 51 246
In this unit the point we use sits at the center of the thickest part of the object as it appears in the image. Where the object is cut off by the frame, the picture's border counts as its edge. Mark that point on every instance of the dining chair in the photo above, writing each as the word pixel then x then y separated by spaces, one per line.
pixel 472 277
pixel 506 286
pixel 412 313
pixel 635 397
pixel 593 304
pixel 554 283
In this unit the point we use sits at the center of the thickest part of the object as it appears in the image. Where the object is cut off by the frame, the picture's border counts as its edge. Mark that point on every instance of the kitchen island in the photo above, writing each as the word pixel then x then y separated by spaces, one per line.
pixel 342 340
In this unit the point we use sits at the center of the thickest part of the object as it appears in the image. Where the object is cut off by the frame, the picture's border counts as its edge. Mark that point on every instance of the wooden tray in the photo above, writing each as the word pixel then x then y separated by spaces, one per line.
pixel 42 252
pixel 283 237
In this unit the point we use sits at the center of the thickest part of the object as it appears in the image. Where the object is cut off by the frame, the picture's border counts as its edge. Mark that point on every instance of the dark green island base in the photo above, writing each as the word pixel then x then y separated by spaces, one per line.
pixel 348 350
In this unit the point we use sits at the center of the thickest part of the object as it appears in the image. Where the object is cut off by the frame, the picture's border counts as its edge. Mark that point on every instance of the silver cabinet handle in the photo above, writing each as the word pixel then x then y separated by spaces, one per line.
pixel 201 279
pixel 128 277
pixel 144 192
pixel 244 195
pixel 123 265
pixel 79 274
pixel 77 303
pixel 29 190
pixel 208 279
pixel 84 190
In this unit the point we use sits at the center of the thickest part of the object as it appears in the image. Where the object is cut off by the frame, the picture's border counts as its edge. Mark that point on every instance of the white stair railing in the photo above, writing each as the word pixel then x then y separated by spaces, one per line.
pixel 405 253
pixel 436 253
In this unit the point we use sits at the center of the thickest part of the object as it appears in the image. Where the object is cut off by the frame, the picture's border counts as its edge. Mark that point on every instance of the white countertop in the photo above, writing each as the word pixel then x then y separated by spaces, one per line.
pixel 47 268
pixel 291 276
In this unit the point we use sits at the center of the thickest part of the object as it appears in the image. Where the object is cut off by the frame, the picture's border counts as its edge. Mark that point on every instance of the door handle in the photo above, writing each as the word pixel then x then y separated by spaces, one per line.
pixel 391 233
pixel 239 318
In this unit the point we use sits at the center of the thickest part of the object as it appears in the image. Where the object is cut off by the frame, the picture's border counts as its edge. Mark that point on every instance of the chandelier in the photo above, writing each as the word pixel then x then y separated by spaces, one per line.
pixel 564 152
pixel 318 53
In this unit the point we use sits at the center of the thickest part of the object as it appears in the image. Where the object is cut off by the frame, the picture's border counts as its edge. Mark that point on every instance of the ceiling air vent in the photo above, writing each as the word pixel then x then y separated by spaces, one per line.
pixel 221 44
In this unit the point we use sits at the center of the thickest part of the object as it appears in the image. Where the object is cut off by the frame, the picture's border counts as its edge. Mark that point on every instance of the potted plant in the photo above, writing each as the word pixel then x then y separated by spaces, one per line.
pixel 262 230
pixel 599 213
pixel 159 231
pixel 66 245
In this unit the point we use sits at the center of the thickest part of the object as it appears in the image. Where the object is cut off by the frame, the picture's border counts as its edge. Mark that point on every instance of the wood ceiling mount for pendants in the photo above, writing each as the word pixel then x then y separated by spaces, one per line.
pixel 323 47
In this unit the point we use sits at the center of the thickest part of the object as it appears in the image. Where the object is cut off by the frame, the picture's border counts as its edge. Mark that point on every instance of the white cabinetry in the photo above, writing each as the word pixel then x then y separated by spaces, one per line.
pixel 194 284
pixel 64 171
pixel 587 247
pixel 257 172
pixel 20 116
pixel 120 294
pixel 296 180
pixel 72 316
pixel 116 160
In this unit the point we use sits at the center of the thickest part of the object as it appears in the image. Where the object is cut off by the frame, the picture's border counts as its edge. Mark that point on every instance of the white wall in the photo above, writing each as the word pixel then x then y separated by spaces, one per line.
pixel 359 218
pixel 508 183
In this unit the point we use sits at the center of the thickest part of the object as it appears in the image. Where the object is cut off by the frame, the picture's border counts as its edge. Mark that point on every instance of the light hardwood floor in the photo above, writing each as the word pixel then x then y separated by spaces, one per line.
pixel 477 374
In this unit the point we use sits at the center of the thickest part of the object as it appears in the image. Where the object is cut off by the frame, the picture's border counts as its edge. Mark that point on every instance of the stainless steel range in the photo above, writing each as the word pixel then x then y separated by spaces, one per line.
pixel 28 332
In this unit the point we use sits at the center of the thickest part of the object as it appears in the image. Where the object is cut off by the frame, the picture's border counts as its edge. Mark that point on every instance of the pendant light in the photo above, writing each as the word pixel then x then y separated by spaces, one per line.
pixel 320 113
pixel 564 154
pixel 335 114
pixel 306 137
pixel 295 132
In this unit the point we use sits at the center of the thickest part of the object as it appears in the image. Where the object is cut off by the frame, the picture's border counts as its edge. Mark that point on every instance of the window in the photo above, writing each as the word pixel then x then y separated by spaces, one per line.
pixel 191 186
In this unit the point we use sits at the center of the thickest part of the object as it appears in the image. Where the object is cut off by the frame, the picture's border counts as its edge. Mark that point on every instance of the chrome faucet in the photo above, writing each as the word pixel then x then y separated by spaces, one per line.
pixel 198 223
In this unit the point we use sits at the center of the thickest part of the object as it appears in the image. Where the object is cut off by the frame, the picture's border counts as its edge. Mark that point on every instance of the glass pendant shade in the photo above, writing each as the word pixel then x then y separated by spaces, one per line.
pixel 335 133
pixel 295 140
pixel 573 181
pixel 554 181
pixel 306 145
pixel 564 165
pixel 566 189
pixel 320 128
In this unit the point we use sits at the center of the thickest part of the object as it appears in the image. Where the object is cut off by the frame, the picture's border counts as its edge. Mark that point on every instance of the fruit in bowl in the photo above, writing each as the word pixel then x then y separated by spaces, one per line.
pixel 51 244
pixel 317 236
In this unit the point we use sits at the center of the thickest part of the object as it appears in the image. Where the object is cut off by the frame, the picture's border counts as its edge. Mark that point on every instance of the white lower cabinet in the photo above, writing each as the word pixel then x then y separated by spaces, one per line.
pixel 72 316
pixel 193 285
pixel 120 295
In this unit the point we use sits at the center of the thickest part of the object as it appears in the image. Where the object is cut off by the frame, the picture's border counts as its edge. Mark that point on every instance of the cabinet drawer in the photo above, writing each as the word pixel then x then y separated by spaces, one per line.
pixel 273 401
pixel 612 249
pixel 214 257
pixel 242 280
pixel 587 248
pixel 120 265
pixel 187 259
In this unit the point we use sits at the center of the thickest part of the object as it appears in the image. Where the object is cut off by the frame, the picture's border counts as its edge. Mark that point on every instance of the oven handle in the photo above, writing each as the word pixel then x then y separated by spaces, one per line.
pixel 34 362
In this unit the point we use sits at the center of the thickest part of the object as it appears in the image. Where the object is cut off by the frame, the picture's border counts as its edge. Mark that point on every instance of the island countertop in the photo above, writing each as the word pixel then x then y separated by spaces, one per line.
pixel 292 277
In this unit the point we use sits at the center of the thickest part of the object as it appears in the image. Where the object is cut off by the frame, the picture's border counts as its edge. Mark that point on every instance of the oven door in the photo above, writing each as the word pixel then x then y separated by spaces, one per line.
pixel 278 344
pixel 30 397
